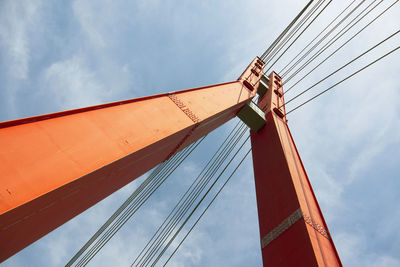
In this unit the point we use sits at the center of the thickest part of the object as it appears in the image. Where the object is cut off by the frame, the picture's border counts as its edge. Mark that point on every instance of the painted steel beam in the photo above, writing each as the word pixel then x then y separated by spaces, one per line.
pixel 292 228
pixel 55 166
pixel 252 116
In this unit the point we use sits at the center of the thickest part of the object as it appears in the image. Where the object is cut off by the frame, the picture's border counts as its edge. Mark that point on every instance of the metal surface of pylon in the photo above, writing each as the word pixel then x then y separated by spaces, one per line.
pixel 55 166
pixel 292 228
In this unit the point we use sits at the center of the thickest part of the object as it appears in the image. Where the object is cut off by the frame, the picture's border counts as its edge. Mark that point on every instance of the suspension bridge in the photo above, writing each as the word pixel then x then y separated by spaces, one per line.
pixel 56 166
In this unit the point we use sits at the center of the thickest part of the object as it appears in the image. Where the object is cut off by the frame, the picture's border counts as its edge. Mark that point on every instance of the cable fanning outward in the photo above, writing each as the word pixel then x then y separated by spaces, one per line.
pixel 346 78
pixel 182 207
pixel 186 203
pixel 182 198
pixel 308 25
pixel 342 67
pixel 200 201
pixel 133 207
pixel 277 40
pixel 318 35
pixel 211 187
pixel 205 210
pixel 272 46
pixel 130 206
pixel 295 64
pixel 293 32
pixel 343 45
pixel 334 39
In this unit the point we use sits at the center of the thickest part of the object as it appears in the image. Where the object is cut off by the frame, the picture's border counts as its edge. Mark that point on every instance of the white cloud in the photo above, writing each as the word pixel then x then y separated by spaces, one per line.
pixel 353 249
pixel 16 21
pixel 87 14
pixel 72 84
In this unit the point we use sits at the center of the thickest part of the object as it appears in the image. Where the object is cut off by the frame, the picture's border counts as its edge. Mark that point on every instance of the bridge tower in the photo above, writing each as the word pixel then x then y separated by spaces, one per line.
pixel 55 166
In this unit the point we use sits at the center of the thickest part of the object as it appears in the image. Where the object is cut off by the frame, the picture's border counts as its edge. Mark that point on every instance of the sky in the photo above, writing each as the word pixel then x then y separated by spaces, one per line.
pixel 59 55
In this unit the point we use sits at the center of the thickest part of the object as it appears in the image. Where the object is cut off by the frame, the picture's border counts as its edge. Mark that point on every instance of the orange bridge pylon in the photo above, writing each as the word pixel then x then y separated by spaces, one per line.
pixel 55 166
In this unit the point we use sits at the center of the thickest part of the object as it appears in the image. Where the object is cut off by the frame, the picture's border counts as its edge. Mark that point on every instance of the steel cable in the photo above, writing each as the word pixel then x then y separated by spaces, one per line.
pixel 340 47
pixel 208 206
pixel 116 213
pixel 184 207
pixel 268 50
pixel 113 229
pixel 123 218
pixel 309 24
pixel 150 185
pixel 295 29
pixel 318 35
pixel 341 81
pixel 93 250
pixel 201 200
pixel 210 161
pixel 191 203
pixel 210 168
pixel 135 206
pixel 322 39
pixel 332 41
pixel 342 67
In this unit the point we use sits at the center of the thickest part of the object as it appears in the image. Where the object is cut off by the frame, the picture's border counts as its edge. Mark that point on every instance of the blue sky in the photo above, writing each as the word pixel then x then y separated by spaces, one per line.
pixel 62 55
